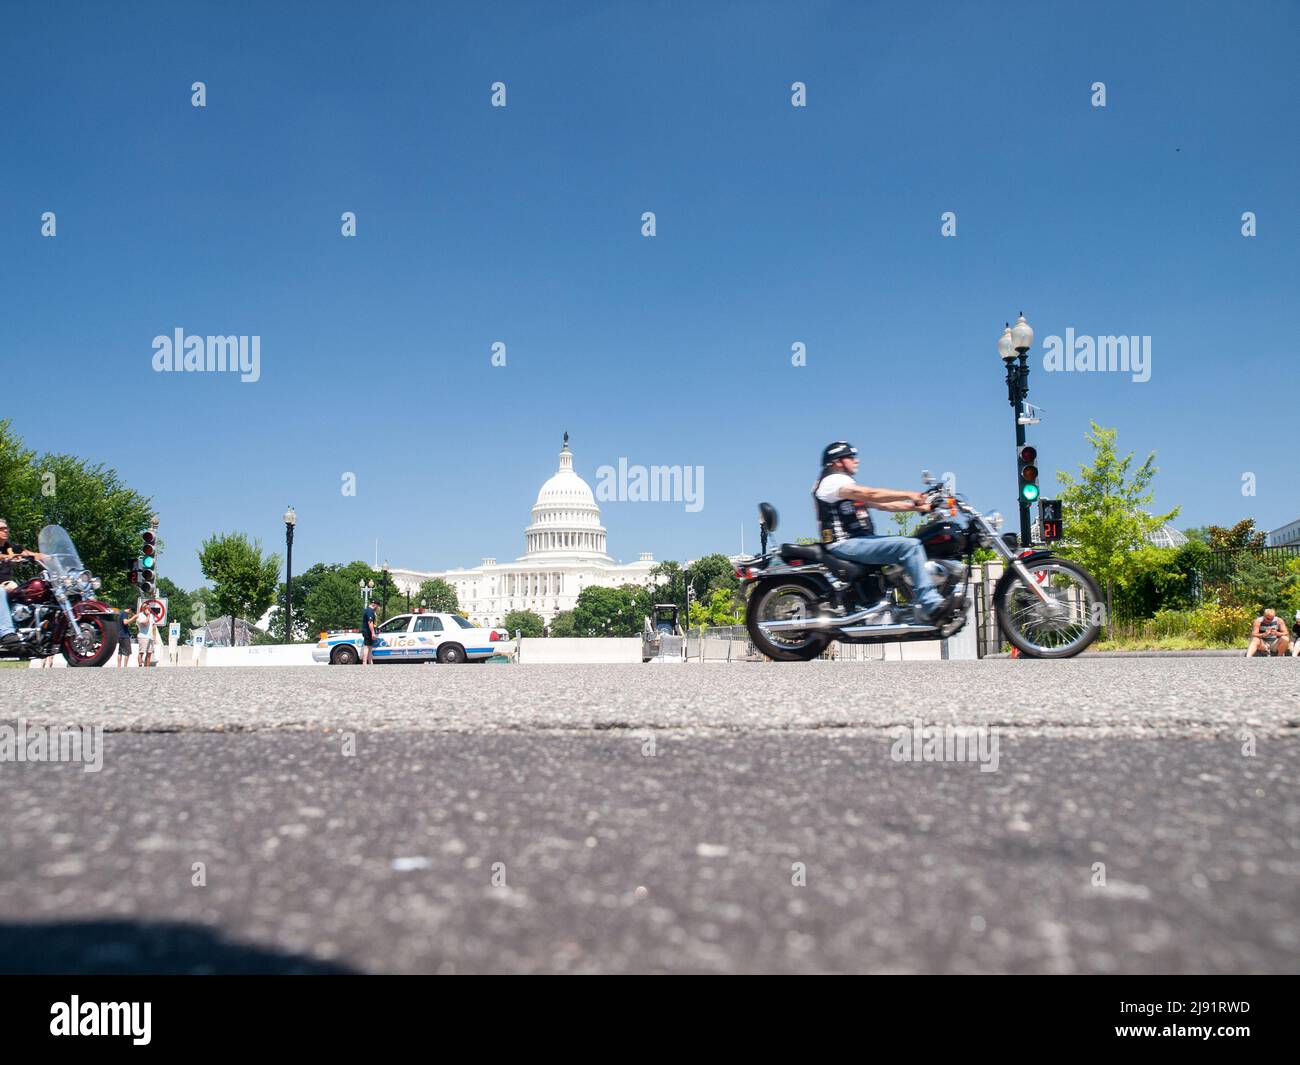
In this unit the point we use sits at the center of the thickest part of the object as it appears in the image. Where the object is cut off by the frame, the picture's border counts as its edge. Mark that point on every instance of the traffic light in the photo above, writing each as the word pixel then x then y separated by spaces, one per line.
pixel 1028 457
pixel 146 576
pixel 1049 519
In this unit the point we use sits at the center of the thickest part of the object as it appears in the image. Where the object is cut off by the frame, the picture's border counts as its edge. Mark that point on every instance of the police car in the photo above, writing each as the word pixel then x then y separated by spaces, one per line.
pixel 422 637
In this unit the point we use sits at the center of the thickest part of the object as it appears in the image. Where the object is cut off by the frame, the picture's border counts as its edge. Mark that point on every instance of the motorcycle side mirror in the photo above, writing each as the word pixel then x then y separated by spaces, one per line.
pixel 767 517
pixel 927 477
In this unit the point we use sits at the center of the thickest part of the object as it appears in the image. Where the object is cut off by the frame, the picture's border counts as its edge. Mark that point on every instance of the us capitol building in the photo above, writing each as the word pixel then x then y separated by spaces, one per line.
pixel 564 553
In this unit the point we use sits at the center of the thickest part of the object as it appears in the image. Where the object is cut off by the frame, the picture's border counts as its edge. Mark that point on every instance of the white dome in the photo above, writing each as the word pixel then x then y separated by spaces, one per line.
pixel 566 519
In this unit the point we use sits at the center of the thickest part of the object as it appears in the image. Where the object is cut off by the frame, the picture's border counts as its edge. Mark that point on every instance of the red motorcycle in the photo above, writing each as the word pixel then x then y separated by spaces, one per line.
pixel 57 612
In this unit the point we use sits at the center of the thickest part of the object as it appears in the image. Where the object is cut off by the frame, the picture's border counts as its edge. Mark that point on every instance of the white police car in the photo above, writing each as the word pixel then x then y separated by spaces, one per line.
pixel 417 638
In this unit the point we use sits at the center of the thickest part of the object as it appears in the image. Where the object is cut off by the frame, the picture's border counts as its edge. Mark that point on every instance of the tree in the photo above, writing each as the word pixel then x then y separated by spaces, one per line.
pixel 245 581
pixel 563 625
pixel 439 595
pixel 19 487
pixel 180 606
pixel 333 602
pixel 669 581
pixel 524 622
pixel 904 522
pixel 710 573
pixel 1107 510
pixel 303 584
pixel 720 608
pixel 603 611
pixel 1241 537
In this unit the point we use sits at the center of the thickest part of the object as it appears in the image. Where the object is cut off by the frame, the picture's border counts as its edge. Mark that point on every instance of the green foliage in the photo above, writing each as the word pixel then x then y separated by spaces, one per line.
pixel 670 579
pixel 564 625
pixel 439 595
pixel 333 602
pixel 524 622
pixel 1107 511
pixel 180 605
pixel 244 580
pixel 721 608
pixel 710 573
pixel 1221 624
pixel 1242 536
pixel 905 522
pixel 1158 578
pixel 611 611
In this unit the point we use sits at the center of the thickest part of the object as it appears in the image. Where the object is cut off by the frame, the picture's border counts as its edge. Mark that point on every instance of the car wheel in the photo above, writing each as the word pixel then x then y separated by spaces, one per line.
pixel 451 652
pixel 345 656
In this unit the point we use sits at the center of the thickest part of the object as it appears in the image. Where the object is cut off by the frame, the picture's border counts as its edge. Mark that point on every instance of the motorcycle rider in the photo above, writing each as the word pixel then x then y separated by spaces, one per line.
pixel 9 554
pixel 844 516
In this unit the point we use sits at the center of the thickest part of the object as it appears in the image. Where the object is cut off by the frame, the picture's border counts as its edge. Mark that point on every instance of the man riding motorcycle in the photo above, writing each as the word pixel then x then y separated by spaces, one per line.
pixel 9 554
pixel 844 517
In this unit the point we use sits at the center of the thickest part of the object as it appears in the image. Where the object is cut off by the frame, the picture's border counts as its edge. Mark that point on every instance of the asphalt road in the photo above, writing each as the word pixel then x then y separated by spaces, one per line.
pixel 658 818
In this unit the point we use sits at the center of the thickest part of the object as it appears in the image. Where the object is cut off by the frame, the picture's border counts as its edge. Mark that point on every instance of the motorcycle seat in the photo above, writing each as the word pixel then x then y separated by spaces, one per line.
pixel 842 568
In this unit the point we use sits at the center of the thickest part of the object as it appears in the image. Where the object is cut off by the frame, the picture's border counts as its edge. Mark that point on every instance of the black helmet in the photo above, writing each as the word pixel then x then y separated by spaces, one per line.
pixel 841 449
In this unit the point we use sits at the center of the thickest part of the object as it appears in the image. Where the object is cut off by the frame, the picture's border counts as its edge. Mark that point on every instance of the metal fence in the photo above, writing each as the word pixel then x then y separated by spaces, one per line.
pixel 1236 568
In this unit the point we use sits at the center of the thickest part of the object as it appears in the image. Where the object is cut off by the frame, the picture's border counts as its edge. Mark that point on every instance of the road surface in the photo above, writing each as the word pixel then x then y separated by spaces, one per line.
pixel 661 818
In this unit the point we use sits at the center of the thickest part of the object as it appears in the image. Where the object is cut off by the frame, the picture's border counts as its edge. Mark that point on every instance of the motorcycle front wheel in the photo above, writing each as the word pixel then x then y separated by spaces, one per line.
pixel 98 642
pixel 1059 628
pixel 784 601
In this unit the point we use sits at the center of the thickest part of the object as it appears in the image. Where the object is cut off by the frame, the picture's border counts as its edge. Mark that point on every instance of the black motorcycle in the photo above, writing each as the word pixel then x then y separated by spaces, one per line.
pixel 801 597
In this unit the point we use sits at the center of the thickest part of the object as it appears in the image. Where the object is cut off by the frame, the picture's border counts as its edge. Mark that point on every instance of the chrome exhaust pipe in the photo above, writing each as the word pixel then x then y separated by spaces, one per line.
pixel 888 630
pixel 829 622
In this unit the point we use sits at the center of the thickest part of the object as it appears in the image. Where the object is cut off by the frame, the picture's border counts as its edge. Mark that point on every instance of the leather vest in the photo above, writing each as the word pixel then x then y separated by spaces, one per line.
pixel 842 519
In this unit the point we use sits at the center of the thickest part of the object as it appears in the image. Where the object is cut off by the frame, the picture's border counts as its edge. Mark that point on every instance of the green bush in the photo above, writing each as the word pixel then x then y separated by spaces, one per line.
pixel 1222 623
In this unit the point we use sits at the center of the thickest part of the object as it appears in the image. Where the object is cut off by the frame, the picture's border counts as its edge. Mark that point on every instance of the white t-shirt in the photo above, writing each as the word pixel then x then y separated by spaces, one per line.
pixel 145 624
pixel 829 490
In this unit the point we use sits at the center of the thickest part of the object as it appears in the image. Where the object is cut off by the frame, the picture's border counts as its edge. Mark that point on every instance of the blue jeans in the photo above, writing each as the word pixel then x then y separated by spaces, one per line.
pixel 903 551
pixel 6 618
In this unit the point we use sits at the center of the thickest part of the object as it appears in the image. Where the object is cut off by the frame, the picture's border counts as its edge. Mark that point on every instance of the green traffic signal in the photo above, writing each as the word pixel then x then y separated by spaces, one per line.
pixel 1030 492
pixel 147 561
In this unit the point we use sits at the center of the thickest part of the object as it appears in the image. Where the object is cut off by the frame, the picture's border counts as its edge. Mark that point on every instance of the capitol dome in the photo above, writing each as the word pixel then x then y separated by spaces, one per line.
pixel 566 519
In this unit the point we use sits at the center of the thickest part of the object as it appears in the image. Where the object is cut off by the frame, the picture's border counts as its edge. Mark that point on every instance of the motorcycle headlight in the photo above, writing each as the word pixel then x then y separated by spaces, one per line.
pixel 995 520
pixel 95 583
pixel 85 577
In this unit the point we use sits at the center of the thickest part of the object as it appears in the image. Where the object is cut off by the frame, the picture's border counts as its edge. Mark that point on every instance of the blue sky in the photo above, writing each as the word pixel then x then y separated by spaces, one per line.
pixel 523 225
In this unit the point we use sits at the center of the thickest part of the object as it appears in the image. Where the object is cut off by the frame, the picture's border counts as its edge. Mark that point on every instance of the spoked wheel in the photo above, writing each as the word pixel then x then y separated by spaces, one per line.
pixel 784 602
pixel 1062 626
pixel 90 644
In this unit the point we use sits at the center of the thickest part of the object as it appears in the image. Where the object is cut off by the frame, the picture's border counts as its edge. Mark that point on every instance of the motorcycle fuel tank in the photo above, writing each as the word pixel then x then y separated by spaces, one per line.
pixel 942 539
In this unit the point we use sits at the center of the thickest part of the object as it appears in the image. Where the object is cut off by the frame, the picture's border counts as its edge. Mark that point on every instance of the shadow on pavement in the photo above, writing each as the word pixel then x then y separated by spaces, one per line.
pixel 117 947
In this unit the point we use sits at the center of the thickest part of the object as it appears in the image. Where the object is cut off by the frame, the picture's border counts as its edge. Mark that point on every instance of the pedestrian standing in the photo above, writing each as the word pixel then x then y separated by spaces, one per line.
pixel 123 639
pixel 368 636
pixel 146 630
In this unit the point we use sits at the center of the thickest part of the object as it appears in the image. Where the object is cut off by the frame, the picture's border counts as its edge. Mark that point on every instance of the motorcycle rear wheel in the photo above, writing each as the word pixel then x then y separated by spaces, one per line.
pixel 784 600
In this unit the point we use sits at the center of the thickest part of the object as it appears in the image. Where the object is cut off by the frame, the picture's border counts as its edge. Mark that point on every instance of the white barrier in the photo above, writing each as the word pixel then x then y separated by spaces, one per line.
pixel 575 650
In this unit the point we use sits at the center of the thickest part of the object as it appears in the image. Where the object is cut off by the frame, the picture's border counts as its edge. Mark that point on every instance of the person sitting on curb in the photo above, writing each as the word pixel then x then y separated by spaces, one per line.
pixel 1268 635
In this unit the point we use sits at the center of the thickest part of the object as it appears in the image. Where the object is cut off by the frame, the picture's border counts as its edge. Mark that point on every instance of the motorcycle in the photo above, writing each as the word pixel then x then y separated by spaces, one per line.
pixel 56 612
pixel 800 598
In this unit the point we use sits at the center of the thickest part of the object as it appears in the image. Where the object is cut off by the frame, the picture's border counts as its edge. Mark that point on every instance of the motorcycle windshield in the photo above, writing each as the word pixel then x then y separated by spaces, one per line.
pixel 61 557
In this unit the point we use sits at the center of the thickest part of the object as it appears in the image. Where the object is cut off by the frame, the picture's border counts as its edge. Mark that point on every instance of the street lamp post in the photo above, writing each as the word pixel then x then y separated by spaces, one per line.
pixel 290 520
pixel 1016 341
pixel 383 602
